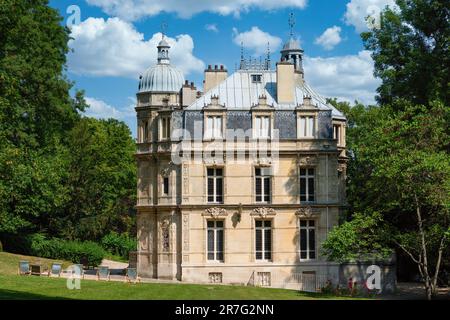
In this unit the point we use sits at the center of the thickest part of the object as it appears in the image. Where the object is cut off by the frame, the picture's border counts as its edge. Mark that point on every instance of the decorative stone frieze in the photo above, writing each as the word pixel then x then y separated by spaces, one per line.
pixel 307 212
pixel 216 212
pixel 263 212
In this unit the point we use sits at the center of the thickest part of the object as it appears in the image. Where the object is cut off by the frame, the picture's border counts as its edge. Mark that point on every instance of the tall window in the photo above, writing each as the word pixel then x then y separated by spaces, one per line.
pixel 307 127
pixel 214 127
pixel 263 229
pixel 307 185
pixel 263 184
pixel 165 128
pixel 215 185
pixel 307 239
pixel 145 131
pixel 215 241
pixel 166 186
pixel 262 127
pixel 337 133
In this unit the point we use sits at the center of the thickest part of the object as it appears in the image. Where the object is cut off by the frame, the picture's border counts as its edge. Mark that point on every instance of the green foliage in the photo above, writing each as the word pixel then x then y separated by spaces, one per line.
pixel 66 250
pixel 60 174
pixel 362 238
pixel 411 52
pixel 119 244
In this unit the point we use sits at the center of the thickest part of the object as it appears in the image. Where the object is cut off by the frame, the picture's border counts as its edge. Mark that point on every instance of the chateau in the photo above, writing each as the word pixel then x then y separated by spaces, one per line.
pixel 242 182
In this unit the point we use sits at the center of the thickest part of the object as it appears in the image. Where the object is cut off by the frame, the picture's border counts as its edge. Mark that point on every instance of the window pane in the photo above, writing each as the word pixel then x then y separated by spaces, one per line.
pixel 258 171
pixel 210 186
pixel 312 242
pixel 220 244
pixel 268 224
pixel 303 255
pixel 219 189
pixel 210 224
pixel 219 172
pixel 267 242
pixel 258 240
pixel 258 187
pixel 219 224
pixel 166 185
pixel 210 172
pixel 303 172
pixel 303 188
pixel 302 127
pixel 311 172
pixel 266 189
pixel 311 223
pixel 303 239
pixel 210 243
pixel 311 189
pixel 258 224
pixel 303 223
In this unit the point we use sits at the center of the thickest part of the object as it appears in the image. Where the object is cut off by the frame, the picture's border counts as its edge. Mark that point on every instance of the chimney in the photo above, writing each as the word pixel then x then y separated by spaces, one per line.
pixel 188 94
pixel 285 82
pixel 213 77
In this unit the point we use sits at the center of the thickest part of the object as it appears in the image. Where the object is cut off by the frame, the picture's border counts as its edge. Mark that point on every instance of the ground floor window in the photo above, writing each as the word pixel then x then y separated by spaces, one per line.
pixel 215 240
pixel 307 239
pixel 263 237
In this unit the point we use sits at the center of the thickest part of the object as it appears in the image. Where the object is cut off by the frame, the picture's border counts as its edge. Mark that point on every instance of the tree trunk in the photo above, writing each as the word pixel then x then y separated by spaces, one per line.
pixel 428 282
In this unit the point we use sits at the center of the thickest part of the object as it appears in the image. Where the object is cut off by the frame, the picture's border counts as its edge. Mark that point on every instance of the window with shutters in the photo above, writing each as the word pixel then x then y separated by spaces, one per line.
pixel 307 239
pixel 214 127
pixel 307 185
pixel 263 240
pixel 215 185
pixel 215 239
pixel 263 183
pixel 262 127
pixel 306 127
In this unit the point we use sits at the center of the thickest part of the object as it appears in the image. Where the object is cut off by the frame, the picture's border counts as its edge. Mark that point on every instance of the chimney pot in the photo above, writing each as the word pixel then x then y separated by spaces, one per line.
pixel 209 67
pixel 215 67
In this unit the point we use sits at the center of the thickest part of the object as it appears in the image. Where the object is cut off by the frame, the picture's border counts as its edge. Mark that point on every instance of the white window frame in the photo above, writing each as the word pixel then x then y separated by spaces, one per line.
pixel 263 177
pixel 263 230
pixel 307 176
pixel 215 251
pixel 215 177
pixel 308 250
pixel 216 132
pixel 259 130
pixel 164 128
pixel 309 129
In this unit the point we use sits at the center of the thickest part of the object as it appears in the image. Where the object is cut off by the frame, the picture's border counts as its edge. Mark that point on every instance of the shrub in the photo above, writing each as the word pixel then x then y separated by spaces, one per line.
pixel 1 247
pixel 38 245
pixel 119 244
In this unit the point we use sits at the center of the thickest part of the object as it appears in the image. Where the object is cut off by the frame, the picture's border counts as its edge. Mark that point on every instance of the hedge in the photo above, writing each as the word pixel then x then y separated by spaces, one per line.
pixel 119 244
pixel 38 245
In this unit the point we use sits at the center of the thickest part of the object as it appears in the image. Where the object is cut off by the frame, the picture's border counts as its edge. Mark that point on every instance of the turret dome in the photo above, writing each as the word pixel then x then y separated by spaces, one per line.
pixel 162 77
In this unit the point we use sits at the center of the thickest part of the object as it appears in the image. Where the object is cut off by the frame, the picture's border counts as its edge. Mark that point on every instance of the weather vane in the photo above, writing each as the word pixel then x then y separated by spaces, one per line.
pixel 292 23
pixel 164 27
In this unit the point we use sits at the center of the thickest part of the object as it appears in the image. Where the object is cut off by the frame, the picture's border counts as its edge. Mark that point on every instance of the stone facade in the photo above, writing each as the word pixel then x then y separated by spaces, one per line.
pixel 174 210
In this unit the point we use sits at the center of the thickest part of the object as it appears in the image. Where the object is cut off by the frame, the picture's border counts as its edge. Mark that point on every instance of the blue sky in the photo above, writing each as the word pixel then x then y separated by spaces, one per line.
pixel 115 41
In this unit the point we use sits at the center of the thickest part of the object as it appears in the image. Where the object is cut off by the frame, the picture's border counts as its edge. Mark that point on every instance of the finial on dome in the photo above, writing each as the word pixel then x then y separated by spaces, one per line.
pixel 291 24
pixel 164 27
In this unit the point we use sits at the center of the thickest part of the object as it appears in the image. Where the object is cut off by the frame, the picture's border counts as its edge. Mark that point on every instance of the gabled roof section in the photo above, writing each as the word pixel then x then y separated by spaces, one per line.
pixel 239 92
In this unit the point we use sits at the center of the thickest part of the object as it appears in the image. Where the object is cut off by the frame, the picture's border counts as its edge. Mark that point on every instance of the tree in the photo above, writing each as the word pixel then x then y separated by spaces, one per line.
pixel 400 167
pixel 411 51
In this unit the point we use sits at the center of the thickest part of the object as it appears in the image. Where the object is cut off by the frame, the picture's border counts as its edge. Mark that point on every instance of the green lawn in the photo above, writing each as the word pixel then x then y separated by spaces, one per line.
pixel 13 286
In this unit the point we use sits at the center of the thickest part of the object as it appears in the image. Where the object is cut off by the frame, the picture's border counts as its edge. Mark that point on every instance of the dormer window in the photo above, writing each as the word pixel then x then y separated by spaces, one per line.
pixel 164 128
pixel 256 78
pixel 262 127
pixel 306 126
pixel 214 127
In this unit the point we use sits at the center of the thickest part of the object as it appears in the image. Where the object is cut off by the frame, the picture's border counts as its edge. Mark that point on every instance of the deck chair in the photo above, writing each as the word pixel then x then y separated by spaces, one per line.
pixel 103 273
pixel 24 268
pixel 55 270
pixel 132 275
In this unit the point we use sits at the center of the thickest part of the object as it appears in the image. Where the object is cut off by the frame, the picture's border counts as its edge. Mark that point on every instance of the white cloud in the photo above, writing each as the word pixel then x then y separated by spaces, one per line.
pixel 115 48
pixel 359 10
pixel 347 78
pixel 101 110
pixel 132 10
pixel 256 40
pixel 211 27
pixel 330 38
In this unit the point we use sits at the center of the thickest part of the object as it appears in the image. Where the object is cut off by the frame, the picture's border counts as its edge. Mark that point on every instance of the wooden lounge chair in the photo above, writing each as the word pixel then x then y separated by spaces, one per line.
pixel 24 268
pixel 132 275
pixel 55 270
pixel 77 270
pixel 103 273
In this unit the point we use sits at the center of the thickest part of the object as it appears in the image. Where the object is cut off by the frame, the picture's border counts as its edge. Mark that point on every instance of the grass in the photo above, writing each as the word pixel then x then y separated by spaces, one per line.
pixel 13 286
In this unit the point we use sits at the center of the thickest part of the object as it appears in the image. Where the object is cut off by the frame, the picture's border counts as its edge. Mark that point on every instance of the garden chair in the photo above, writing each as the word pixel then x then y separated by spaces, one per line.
pixel 77 269
pixel 24 268
pixel 132 275
pixel 55 270
pixel 103 273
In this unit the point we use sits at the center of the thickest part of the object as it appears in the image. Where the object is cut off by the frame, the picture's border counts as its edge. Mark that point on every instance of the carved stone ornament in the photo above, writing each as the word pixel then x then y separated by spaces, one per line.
pixel 263 212
pixel 308 161
pixel 165 171
pixel 306 212
pixel 216 212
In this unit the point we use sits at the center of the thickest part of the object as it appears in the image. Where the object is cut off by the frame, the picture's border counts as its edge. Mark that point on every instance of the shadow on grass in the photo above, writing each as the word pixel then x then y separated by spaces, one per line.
pixel 19 295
